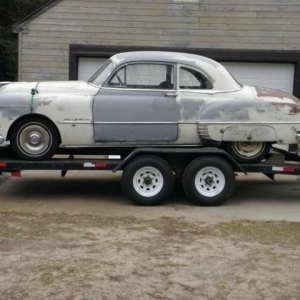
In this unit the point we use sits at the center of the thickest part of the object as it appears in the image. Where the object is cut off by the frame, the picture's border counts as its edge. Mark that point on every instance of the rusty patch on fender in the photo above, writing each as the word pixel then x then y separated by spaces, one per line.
pixel 264 92
pixel 292 109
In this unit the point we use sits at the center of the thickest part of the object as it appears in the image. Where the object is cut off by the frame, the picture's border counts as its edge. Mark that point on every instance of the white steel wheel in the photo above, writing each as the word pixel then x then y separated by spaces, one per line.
pixel 248 152
pixel 210 181
pixel 148 181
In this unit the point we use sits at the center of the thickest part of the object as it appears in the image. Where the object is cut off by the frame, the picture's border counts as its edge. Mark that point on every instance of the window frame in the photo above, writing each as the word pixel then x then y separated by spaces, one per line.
pixel 202 72
pixel 174 65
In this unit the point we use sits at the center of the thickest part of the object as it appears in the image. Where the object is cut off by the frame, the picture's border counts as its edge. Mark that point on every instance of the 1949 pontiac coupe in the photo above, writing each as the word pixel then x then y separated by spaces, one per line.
pixel 147 99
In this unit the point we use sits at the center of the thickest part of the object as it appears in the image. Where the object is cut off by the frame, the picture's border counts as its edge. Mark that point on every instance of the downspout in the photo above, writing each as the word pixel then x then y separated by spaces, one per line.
pixel 20 56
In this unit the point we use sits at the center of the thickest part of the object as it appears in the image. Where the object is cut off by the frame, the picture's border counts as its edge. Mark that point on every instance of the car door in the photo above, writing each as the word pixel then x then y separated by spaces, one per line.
pixel 137 104
pixel 195 91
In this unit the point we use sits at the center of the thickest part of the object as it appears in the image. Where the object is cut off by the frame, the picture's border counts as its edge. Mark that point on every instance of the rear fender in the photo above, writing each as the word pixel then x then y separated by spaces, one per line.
pixel 244 133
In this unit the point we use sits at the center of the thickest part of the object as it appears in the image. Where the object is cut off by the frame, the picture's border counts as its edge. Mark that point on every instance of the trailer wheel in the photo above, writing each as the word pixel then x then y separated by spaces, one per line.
pixel 209 181
pixel 147 180
pixel 34 138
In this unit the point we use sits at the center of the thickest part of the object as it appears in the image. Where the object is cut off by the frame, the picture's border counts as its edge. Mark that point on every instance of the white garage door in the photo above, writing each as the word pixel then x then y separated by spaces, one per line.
pixel 275 76
pixel 87 66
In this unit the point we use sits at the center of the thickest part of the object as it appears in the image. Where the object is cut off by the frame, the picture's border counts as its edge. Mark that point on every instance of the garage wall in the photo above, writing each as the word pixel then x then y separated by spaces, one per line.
pixel 211 24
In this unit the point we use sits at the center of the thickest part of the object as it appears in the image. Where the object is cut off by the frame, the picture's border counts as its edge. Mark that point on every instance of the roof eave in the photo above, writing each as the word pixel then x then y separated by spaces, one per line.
pixel 21 25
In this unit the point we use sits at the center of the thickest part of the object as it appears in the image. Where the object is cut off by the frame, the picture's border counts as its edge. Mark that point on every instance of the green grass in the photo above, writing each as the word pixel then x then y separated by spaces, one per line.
pixel 282 233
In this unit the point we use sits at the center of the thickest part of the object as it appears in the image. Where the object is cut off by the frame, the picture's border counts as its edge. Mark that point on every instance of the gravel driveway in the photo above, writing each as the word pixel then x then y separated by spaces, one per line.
pixel 78 238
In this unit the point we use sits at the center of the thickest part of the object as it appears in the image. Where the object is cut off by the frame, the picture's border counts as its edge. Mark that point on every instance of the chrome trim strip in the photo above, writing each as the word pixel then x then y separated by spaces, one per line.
pixel 126 123
pixel 134 145
pixel 208 92
pixel 248 123
pixel 140 90
pixel 134 123
pixel 74 122
pixel 180 123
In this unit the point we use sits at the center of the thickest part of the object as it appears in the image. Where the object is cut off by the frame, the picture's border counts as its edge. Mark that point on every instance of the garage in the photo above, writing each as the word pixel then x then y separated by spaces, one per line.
pixel 278 76
pixel 87 66
pixel 68 40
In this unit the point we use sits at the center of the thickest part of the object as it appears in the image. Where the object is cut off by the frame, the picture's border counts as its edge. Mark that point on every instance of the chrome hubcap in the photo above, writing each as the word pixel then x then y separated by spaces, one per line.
pixel 34 139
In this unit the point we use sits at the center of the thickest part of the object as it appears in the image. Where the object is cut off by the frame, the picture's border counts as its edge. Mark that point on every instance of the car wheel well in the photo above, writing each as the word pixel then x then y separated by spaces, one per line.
pixel 29 117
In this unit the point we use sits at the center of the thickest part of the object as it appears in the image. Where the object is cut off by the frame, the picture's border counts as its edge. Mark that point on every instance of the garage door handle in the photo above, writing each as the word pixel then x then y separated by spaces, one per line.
pixel 171 94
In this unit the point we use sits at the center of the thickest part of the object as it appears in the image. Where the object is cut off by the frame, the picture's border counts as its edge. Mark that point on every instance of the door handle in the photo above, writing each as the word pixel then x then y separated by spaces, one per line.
pixel 171 94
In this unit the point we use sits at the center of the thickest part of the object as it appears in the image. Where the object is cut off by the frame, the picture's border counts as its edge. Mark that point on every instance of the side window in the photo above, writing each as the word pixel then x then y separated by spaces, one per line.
pixel 193 80
pixel 144 76
pixel 118 80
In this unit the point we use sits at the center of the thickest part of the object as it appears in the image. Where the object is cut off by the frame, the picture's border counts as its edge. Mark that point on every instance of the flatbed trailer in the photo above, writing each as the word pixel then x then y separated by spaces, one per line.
pixel 208 174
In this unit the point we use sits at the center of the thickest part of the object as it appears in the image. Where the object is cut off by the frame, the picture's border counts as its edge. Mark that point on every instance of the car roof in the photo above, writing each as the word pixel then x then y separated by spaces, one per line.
pixel 162 56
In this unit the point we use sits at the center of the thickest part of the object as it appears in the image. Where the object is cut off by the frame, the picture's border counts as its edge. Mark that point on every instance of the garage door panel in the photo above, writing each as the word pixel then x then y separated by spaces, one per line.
pixel 87 66
pixel 270 75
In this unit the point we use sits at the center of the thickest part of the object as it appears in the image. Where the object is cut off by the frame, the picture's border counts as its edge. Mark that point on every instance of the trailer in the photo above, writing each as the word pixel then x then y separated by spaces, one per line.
pixel 208 174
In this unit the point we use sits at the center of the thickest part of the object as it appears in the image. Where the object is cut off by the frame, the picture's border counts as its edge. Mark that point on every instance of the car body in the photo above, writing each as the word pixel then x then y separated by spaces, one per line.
pixel 148 98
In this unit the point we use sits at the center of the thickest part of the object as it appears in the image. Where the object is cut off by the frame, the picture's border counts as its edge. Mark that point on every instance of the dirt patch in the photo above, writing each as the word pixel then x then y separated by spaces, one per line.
pixel 59 256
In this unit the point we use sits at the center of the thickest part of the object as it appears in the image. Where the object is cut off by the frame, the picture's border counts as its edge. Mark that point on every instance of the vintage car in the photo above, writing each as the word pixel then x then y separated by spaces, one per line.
pixel 147 99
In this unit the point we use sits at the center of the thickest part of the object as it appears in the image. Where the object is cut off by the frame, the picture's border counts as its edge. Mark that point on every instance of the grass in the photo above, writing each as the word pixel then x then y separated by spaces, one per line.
pixel 31 226
pixel 60 255
pixel 285 234
pixel 10 231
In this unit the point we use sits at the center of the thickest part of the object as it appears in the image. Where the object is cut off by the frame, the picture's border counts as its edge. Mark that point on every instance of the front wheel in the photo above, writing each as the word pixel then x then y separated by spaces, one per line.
pixel 147 180
pixel 34 138
pixel 209 181
pixel 248 152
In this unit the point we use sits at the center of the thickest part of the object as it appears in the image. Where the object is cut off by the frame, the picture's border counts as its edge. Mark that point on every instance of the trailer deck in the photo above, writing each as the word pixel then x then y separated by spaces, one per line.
pixel 208 174
pixel 276 164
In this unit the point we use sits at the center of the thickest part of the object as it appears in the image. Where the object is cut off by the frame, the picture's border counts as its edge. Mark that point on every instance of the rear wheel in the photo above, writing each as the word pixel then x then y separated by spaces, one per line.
pixel 248 152
pixel 209 181
pixel 34 138
pixel 147 180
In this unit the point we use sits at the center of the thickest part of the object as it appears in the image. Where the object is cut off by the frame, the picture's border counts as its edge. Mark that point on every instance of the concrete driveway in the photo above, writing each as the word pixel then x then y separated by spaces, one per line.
pixel 89 192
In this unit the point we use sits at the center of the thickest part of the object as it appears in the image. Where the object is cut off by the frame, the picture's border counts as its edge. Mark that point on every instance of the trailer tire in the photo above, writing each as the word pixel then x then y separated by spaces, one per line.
pixel 147 180
pixel 209 181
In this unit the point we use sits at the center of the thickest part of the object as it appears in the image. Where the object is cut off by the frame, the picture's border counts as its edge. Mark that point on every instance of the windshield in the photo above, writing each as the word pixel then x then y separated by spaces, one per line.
pixel 102 74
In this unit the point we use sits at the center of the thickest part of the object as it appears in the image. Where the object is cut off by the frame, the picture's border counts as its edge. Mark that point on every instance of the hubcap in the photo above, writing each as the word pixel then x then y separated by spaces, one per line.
pixel 148 181
pixel 34 139
pixel 210 181
pixel 248 149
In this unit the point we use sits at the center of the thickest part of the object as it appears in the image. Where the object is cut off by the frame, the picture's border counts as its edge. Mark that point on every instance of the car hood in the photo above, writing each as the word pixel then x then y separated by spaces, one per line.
pixel 51 87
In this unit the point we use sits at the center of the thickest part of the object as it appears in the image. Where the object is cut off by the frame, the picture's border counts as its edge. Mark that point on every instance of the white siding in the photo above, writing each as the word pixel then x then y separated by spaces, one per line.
pixel 226 24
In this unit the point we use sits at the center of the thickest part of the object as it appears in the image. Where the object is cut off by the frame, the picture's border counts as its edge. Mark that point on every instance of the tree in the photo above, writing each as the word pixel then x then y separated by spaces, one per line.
pixel 10 12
